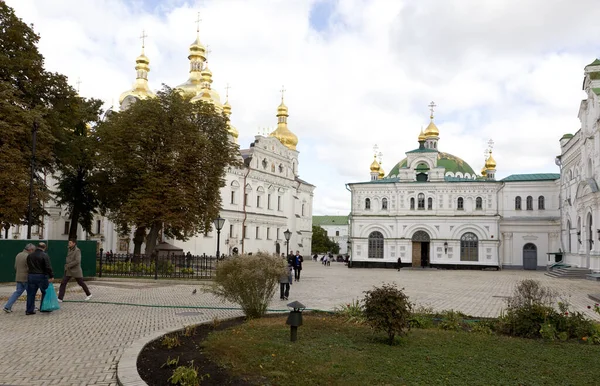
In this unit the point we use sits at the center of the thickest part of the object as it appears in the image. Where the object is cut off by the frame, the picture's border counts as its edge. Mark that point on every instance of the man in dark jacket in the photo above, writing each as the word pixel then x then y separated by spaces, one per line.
pixel 40 274
pixel 298 260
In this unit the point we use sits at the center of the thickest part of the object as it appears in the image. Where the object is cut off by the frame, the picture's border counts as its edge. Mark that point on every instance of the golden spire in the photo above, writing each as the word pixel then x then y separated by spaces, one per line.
pixel 282 133
pixel 431 130
pixel 197 57
pixel 140 89
pixel 422 135
pixel 227 111
pixel 490 163
pixel 374 165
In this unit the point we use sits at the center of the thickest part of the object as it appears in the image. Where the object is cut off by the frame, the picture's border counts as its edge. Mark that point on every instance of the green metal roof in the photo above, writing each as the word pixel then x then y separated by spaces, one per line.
pixel 448 161
pixel 385 180
pixel 594 63
pixel 330 220
pixel 596 90
pixel 424 150
pixel 532 177
pixel 567 136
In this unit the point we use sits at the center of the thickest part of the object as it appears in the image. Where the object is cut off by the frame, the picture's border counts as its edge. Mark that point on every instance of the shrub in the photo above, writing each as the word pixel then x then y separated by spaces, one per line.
pixel 482 327
pixel 170 341
pixel 452 320
pixel 388 309
pixel 187 376
pixel 248 280
pixel 531 293
pixel 352 312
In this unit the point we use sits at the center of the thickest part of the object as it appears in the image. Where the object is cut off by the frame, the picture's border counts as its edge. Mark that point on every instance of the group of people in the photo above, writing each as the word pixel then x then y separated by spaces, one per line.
pixel 34 272
pixel 294 263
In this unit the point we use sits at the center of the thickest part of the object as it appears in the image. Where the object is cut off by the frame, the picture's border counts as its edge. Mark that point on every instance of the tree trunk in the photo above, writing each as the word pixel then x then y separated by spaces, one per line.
pixel 152 238
pixel 138 239
pixel 74 223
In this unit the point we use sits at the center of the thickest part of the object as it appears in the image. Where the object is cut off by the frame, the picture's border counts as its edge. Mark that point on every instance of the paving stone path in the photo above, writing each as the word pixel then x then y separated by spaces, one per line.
pixel 81 344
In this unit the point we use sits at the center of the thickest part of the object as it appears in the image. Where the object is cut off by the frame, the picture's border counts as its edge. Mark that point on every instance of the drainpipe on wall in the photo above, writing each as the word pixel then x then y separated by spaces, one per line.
pixel 244 206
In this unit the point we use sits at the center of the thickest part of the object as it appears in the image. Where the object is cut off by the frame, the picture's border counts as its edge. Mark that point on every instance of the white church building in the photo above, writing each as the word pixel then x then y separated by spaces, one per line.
pixel 261 199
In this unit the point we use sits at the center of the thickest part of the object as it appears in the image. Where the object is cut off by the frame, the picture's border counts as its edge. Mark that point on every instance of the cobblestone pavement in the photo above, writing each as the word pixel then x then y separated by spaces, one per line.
pixel 82 343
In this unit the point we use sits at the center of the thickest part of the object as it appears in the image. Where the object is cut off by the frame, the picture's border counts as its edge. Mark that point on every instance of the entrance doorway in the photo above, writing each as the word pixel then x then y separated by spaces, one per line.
pixel 530 256
pixel 420 249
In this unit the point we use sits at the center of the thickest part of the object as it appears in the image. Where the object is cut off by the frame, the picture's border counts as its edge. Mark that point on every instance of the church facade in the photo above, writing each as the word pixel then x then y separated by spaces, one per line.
pixel 261 199
pixel 433 210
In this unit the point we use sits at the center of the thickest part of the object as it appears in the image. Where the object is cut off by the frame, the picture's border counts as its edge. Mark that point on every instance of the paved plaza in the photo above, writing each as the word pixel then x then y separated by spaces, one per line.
pixel 81 344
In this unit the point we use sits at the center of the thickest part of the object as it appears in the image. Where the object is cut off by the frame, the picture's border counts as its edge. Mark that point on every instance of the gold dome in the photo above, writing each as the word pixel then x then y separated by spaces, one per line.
pixel 431 130
pixel 197 57
pixel 381 172
pixel 375 165
pixel 422 135
pixel 483 171
pixel 490 163
pixel 206 93
pixel 140 89
pixel 282 133
pixel 230 128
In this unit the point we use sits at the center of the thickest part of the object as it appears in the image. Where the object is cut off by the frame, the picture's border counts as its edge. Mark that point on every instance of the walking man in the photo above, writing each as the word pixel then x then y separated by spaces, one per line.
pixel 285 280
pixel 20 277
pixel 298 260
pixel 39 276
pixel 399 263
pixel 73 270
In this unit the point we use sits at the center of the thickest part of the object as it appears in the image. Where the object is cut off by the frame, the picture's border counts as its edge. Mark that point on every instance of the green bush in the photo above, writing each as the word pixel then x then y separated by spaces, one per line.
pixel 352 312
pixel 388 309
pixel 452 321
pixel 187 376
pixel 248 280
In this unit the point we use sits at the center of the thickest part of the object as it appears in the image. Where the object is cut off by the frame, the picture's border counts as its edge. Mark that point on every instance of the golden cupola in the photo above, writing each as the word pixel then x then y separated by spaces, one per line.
pixel 490 163
pixel 207 94
pixel 381 172
pixel 431 130
pixel 282 133
pixel 141 89
pixel 422 136
pixel 375 165
pixel 230 128
pixel 484 171
pixel 197 57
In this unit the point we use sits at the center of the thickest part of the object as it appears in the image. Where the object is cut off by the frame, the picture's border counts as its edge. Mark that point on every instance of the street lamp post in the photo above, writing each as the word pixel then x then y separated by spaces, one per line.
pixel 219 222
pixel 29 207
pixel 287 235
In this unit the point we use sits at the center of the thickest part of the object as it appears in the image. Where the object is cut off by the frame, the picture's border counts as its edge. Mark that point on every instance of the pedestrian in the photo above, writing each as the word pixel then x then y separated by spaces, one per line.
pixel 325 259
pixel 73 270
pixel 39 276
pixel 285 281
pixel 399 265
pixel 298 260
pixel 20 276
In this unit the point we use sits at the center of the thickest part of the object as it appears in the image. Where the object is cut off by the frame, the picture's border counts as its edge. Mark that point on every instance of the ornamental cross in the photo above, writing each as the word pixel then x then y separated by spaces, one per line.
pixel 143 37
pixel 208 51
pixel 491 144
pixel 380 156
pixel 78 84
pixel 432 105
pixel 198 20
pixel 282 91
pixel 227 90
pixel 375 148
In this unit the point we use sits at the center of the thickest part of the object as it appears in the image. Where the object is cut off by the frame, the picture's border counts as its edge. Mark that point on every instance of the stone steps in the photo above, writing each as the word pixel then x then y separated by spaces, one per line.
pixel 569 273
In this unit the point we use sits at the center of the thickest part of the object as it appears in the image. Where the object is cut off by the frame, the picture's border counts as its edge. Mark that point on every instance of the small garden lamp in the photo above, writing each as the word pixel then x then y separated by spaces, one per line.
pixel 445 247
pixel 294 319
pixel 287 235
pixel 219 222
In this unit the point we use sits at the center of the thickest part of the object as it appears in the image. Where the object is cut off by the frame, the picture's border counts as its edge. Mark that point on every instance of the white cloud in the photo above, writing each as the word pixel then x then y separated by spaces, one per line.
pixel 503 69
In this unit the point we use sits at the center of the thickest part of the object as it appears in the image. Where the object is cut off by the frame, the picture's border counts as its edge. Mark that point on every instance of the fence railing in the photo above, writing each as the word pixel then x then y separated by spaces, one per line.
pixel 168 266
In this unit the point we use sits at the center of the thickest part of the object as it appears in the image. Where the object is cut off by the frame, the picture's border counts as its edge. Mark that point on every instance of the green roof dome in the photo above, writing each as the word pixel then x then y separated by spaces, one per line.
pixel 448 161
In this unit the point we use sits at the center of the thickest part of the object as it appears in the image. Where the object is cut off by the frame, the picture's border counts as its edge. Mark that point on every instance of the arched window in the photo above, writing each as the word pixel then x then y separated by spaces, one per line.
pixel 518 203
pixel 421 201
pixel 529 203
pixel 412 203
pixel 367 203
pixel 478 203
pixel 541 203
pixel 384 204
pixel 468 247
pixel 376 245
pixel 460 204
pixel 430 203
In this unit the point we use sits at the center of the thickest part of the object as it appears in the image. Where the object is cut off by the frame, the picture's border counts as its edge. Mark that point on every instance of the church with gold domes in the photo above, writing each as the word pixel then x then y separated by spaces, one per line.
pixel 433 210
pixel 261 200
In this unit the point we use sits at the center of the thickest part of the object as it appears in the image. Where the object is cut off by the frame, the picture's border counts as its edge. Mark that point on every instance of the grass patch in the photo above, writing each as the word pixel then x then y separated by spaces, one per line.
pixel 331 352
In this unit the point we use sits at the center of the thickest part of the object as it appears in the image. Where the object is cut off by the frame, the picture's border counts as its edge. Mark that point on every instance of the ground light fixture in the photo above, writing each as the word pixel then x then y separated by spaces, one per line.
pixel 294 319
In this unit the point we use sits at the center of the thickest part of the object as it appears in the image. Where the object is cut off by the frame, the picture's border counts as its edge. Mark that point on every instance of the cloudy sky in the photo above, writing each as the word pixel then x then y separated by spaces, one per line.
pixel 357 72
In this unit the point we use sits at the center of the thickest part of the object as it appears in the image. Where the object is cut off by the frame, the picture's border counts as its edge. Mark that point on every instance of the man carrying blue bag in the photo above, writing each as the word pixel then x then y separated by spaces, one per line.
pixel 40 275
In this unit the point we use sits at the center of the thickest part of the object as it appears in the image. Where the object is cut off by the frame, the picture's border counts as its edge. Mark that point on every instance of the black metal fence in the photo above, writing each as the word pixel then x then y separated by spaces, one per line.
pixel 168 266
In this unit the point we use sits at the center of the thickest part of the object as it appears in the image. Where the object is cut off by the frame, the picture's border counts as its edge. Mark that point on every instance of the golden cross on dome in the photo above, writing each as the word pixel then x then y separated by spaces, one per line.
pixel 208 51
pixel 227 90
pixel 198 20
pixel 282 91
pixel 380 156
pixel 491 144
pixel 143 37
pixel 78 84
pixel 432 105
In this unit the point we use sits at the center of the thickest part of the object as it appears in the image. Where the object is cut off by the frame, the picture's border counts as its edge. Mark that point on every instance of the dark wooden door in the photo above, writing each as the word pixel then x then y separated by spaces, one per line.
pixel 416 254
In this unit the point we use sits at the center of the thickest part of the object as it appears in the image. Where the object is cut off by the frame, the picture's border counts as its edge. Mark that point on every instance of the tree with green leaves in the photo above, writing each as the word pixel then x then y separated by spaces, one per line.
pixel 321 243
pixel 30 97
pixel 163 163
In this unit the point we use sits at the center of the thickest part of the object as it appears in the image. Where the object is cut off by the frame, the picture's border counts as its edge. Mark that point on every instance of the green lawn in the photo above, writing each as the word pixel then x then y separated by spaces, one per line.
pixel 331 352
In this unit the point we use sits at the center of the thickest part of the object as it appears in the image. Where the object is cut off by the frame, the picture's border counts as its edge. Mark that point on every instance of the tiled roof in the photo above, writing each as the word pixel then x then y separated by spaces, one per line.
pixel 532 177
pixel 330 220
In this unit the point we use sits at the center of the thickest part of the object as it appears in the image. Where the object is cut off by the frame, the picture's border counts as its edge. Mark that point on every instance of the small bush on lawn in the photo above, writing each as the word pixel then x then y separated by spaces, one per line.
pixel 248 280
pixel 452 321
pixel 187 376
pixel 352 312
pixel 388 309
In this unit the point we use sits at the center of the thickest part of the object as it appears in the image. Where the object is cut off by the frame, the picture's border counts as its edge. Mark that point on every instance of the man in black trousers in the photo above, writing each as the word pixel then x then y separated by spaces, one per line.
pixel 399 264
pixel 39 277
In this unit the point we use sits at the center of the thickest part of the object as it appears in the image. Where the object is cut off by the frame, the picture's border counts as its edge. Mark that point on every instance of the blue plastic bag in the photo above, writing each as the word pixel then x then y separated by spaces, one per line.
pixel 50 302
